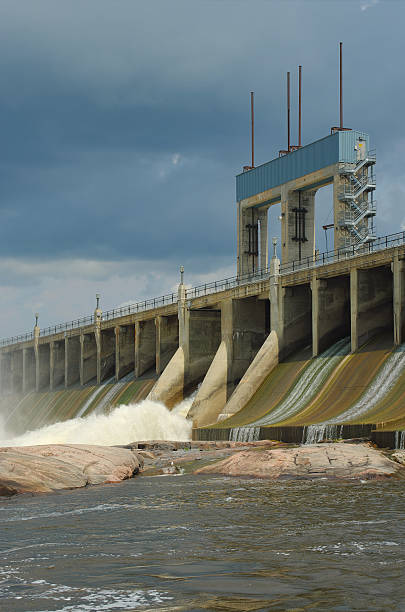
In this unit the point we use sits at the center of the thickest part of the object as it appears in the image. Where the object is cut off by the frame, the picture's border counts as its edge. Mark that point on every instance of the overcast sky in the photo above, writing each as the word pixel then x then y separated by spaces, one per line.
pixel 124 122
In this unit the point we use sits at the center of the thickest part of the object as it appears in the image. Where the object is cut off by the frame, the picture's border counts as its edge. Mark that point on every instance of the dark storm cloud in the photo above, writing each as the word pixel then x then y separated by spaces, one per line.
pixel 124 123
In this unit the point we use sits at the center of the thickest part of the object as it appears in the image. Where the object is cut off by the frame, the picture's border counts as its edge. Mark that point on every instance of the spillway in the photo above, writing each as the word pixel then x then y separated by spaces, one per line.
pixel 327 396
pixel 37 409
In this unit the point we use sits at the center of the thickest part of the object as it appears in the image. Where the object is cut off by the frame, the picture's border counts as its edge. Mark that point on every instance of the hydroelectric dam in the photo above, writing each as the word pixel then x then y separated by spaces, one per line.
pixel 294 349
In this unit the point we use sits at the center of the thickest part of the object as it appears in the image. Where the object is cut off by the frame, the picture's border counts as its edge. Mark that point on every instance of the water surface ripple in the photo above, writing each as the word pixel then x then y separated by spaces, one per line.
pixel 203 543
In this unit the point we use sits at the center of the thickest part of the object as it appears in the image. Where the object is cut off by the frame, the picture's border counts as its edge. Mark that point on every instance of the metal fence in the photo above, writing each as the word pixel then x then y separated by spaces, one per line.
pixel 319 259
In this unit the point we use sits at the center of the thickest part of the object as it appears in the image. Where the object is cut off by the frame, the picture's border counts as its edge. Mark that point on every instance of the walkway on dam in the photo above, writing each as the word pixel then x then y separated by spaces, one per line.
pixel 335 262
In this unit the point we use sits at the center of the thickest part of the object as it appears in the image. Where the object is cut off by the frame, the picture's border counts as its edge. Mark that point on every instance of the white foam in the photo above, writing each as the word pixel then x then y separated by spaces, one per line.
pixel 147 420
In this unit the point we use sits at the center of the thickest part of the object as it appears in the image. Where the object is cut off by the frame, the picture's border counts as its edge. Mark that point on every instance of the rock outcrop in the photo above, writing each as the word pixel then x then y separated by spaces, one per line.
pixel 50 467
pixel 307 462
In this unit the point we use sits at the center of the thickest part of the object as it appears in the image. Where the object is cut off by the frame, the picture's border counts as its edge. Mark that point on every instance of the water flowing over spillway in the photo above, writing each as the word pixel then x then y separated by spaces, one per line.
pixel 146 420
pixel 328 396
pixel 20 413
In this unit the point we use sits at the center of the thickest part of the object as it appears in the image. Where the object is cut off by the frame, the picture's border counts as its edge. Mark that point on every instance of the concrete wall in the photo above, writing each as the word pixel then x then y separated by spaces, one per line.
pixel 167 340
pixel 6 376
pixel 57 363
pixel 88 369
pixel 107 354
pixel 330 311
pixel 245 324
pixel 145 346
pixel 398 271
pixel 203 341
pixel 295 312
pixel 43 367
pixel 29 369
pixel 371 300
pixel 72 360
pixel 124 350
pixel 17 371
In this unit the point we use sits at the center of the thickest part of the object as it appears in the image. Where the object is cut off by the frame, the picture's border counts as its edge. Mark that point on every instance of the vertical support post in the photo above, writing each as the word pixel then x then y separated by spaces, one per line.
pixel 299 103
pixel 137 348
pixel 36 352
pixel 264 246
pixel 25 381
pixel 398 297
pixel 158 324
pixel 51 364
pixel 66 360
pixel 82 359
pixel 252 114
pixel 117 353
pixel 354 308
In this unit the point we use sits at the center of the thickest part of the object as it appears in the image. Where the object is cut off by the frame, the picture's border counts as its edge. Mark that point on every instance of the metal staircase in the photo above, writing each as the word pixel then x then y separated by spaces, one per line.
pixel 358 207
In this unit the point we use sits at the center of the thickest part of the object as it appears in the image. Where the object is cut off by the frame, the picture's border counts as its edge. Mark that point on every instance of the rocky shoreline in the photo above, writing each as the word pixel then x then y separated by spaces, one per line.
pixel 47 468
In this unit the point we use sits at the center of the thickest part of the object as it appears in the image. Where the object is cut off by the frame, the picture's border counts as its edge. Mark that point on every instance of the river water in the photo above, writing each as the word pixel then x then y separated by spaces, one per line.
pixel 205 543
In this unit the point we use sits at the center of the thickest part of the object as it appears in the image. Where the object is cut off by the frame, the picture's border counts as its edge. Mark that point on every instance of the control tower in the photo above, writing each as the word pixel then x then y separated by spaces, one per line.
pixel 342 159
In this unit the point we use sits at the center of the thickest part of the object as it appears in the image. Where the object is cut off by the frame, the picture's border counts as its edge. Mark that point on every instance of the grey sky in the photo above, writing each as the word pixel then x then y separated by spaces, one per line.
pixel 123 124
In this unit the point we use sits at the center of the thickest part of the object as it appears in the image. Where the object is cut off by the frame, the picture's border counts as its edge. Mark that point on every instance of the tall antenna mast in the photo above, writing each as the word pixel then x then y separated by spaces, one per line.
pixel 252 114
pixel 288 112
pixel 341 85
pixel 299 103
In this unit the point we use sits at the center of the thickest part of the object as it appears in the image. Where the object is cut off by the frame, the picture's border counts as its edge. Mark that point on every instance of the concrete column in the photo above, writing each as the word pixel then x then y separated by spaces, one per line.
pixel 36 345
pixel 248 261
pixel 73 361
pixel 264 240
pixel 371 303
pixel 145 346
pixel 51 364
pixel 117 353
pixel 339 234
pixel 167 340
pixel 398 298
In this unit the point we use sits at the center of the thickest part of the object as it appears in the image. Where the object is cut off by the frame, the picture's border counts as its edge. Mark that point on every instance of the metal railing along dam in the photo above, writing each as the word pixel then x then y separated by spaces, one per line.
pixel 308 263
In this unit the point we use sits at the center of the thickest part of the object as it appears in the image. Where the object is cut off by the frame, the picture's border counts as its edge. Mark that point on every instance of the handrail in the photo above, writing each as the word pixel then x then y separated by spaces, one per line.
pixel 319 259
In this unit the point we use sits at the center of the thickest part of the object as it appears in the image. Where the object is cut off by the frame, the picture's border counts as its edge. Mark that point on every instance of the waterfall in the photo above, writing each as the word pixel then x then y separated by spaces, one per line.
pixel 244 434
pixel 378 388
pixel 308 384
pixel 315 433
pixel 93 396
pixel 400 440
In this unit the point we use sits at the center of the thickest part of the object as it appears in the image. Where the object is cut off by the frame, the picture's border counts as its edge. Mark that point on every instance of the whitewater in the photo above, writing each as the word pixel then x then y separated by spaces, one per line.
pixel 146 420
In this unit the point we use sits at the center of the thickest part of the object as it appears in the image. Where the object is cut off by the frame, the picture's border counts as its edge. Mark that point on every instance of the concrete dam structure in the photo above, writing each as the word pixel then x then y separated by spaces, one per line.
pixel 312 340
